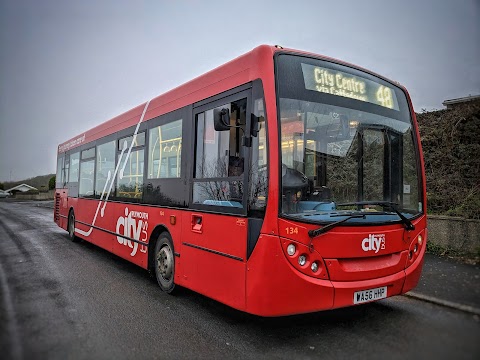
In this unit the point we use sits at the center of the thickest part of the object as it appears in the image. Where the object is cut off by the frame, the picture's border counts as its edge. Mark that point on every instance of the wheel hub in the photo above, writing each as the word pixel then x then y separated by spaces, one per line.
pixel 165 262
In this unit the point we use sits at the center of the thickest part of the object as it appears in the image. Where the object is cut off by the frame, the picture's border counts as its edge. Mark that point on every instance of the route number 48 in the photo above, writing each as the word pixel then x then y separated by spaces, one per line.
pixel 384 96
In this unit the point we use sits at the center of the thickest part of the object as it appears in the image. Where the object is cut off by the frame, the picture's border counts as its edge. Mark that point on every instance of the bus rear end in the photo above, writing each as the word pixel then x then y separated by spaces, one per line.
pixel 351 209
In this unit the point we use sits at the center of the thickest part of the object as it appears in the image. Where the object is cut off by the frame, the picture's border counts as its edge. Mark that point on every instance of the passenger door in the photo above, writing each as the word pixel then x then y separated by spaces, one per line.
pixel 214 245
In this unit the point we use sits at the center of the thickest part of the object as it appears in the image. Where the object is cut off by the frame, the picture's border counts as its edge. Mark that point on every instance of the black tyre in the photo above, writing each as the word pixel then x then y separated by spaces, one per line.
pixel 71 227
pixel 164 262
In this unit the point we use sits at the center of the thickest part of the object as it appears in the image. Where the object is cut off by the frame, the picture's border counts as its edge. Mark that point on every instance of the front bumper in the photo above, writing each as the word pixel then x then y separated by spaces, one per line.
pixel 276 288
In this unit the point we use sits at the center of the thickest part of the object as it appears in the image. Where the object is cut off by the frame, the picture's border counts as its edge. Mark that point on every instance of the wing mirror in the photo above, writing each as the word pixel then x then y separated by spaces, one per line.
pixel 221 122
pixel 221 119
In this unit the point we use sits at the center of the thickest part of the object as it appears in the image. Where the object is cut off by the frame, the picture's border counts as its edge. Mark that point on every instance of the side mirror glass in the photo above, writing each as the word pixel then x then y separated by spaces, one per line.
pixel 221 119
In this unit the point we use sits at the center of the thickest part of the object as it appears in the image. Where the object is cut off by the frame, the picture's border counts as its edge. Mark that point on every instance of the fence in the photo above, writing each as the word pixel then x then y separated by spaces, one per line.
pixel 40 196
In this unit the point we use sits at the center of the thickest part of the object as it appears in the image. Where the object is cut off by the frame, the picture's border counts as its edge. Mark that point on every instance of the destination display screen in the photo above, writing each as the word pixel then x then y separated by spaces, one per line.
pixel 340 83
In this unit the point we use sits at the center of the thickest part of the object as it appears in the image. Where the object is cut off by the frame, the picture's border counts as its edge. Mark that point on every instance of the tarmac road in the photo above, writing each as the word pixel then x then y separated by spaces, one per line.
pixel 63 300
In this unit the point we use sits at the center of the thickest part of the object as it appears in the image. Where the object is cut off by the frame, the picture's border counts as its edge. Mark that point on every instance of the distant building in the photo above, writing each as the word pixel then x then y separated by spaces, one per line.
pixel 454 102
pixel 21 188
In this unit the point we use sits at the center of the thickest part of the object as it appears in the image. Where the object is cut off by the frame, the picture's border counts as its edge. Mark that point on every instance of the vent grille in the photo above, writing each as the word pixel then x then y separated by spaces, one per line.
pixel 56 214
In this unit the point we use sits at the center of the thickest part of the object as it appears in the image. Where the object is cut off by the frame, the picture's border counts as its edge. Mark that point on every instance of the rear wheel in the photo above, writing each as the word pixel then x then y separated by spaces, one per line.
pixel 71 227
pixel 164 262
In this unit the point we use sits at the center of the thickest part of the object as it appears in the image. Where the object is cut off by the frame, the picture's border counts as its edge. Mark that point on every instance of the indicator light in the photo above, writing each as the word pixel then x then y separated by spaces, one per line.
pixel 291 249
pixel 420 239
pixel 314 266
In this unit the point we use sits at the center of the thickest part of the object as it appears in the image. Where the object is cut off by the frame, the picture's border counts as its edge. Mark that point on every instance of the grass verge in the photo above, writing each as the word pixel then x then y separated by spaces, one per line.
pixel 467 258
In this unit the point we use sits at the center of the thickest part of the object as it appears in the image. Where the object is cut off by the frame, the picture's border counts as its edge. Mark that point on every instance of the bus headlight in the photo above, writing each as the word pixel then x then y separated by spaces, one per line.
pixel 314 266
pixel 291 249
pixel 302 259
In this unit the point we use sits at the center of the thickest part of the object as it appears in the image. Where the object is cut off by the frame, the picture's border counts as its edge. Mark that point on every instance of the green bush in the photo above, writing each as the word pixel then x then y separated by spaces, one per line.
pixel 30 192
pixel 451 148
pixel 51 183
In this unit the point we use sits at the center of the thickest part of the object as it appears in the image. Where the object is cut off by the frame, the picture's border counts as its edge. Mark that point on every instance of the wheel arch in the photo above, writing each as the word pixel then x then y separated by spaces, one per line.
pixel 73 237
pixel 70 211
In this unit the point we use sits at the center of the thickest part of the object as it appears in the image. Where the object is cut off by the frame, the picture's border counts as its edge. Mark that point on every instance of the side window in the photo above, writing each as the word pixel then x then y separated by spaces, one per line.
pixel 130 176
pixel 87 172
pixel 74 167
pixel 66 167
pixel 220 158
pixel 259 172
pixel 165 150
pixel 105 167
pixel 127 141
pixel 59 175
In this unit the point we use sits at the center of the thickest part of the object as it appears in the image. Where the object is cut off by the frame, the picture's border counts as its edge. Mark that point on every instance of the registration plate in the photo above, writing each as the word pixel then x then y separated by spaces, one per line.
pixel 363 296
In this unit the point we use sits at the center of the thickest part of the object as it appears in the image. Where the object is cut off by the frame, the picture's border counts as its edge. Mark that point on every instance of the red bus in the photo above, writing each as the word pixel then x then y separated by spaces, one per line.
pixel 281 182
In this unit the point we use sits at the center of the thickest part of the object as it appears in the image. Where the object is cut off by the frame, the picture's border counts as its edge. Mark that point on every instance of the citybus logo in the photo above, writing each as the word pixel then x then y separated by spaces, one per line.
pixel 374 242
pixel 134 225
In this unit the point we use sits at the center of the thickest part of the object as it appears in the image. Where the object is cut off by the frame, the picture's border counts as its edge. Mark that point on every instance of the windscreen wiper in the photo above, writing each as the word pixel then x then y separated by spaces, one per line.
pixel 322 230
pixel 408 224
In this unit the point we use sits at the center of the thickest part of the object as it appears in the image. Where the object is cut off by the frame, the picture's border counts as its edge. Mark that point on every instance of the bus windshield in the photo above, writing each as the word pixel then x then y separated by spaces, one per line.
pixel 347 144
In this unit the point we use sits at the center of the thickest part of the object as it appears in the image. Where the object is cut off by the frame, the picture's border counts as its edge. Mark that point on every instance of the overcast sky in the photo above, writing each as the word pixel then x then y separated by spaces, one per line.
pixel 66 66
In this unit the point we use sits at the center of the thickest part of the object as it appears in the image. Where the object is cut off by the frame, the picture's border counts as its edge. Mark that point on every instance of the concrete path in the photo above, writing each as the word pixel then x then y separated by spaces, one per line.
pixel 450 283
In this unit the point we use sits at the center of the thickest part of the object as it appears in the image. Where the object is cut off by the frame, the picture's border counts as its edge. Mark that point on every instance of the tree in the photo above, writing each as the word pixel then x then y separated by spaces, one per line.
pixel 51 183
pixel 2 187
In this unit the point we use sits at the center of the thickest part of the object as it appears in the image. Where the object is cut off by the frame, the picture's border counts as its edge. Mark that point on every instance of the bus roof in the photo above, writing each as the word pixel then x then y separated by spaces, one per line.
pixel 255 64
pixel 245 68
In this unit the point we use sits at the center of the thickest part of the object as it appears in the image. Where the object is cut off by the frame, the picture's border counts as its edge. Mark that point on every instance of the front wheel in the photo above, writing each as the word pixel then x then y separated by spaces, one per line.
pixel 71 227
pixel 164 262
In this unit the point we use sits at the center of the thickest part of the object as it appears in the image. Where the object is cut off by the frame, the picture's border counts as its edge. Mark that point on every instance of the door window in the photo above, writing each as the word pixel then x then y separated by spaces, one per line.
pixel 220 157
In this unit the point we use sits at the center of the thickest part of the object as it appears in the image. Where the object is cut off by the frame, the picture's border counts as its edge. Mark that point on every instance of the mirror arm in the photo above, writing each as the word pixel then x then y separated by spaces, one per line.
pixel 254 125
